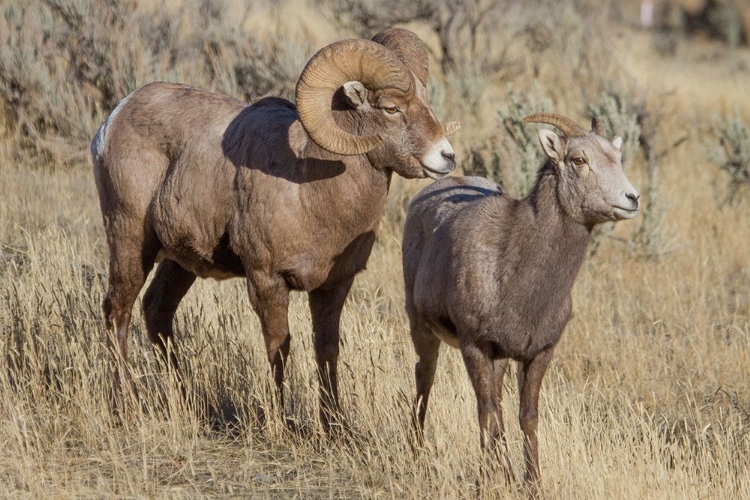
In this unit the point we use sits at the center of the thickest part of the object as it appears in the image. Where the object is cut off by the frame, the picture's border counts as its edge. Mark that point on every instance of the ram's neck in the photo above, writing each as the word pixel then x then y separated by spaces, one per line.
pixel 354 190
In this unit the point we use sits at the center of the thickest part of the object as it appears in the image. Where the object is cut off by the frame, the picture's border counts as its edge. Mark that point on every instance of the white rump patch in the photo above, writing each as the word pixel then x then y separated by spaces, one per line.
pixel 99 144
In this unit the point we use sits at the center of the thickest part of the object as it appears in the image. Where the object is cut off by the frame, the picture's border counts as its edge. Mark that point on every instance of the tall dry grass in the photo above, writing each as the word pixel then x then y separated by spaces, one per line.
pixel 648 395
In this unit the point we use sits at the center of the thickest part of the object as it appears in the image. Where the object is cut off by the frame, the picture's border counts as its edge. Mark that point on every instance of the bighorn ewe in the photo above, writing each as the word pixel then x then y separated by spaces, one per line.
pixel 288 198
pixel 492 275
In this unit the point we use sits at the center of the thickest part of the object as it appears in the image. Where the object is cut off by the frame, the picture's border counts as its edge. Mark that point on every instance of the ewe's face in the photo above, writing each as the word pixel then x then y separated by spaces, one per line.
pixel 414 143
pixel 593 185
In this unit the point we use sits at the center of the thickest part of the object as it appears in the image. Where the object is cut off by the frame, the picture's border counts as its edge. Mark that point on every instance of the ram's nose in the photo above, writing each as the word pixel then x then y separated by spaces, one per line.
pixel 450 157
pixel 440 160
pixel 634 198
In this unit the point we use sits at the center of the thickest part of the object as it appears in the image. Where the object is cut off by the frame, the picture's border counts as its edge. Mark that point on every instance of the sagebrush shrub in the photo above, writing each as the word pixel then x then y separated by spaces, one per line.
pixel 731 152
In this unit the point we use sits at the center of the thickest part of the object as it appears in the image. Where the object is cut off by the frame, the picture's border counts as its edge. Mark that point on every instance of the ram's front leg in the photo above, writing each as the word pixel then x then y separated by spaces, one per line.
pixel 326 305
pixel 269 296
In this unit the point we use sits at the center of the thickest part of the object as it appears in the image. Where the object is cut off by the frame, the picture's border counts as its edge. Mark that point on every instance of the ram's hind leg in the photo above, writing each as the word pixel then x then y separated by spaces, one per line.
pixel 132 254
pixel 170 284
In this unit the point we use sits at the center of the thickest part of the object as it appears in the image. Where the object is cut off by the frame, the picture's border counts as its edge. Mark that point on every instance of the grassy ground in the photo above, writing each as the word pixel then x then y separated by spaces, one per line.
pixel 648 395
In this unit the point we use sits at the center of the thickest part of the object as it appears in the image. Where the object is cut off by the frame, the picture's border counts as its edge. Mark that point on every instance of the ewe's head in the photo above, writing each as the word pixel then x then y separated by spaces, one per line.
pixel 382 85
pixel 592 185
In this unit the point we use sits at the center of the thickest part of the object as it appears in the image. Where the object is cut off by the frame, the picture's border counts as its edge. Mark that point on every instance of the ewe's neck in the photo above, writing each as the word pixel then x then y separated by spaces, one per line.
pixel 559 240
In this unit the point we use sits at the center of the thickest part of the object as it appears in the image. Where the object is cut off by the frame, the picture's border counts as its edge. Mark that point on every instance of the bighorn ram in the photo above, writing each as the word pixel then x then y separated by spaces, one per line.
pixel 492 275
pixel 289 199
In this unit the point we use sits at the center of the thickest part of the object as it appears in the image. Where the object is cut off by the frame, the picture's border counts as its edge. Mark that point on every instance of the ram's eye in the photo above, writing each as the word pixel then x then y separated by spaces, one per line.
pixel 391 111
pixel 579 161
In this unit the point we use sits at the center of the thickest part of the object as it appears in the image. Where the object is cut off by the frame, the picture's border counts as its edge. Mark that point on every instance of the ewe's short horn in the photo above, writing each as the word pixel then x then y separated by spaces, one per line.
pixel 565 125
pixel 596 126
pixel 370 63
pixel 409 48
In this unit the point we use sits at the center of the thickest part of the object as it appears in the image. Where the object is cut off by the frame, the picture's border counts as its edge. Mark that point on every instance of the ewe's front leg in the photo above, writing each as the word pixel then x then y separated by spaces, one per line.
pixel 530 375
pixel 269 296
pixel 500 368
pixel 479 365
pixel 326 305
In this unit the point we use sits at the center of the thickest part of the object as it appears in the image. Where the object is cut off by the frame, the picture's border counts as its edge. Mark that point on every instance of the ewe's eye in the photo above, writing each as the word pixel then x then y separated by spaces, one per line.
pixel 578 161
pixel 391 111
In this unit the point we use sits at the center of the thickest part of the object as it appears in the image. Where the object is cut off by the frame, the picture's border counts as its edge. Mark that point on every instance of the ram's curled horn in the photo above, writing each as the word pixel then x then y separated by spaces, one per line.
pixel 451 128
pixel 365 61
pixel 409 48
pixel 565 125
pixel 596 126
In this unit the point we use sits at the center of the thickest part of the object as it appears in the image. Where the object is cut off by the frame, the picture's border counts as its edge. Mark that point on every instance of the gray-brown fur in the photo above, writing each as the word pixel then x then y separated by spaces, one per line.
pixel 492 275
pixel 218 188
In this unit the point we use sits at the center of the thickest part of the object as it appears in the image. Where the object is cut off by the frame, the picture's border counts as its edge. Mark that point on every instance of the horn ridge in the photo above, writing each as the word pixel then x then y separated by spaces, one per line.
pixel 564 124
pixel 409 48
pixel 368 62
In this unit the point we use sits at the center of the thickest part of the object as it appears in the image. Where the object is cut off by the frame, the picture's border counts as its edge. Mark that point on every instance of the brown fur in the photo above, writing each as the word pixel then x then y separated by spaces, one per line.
pixel 492 275
pixel 222 189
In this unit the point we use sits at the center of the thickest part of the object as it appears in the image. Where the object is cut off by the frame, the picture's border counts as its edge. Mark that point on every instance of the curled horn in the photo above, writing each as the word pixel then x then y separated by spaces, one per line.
pixel 409 48
pixel 565 125
pixel 370 63
pixel 413 53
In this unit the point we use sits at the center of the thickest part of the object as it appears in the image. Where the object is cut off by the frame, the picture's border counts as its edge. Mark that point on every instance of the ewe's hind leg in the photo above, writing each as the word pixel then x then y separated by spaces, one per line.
pixel 131 258
pixel 427 348
pixel 170 284
pixel 325 307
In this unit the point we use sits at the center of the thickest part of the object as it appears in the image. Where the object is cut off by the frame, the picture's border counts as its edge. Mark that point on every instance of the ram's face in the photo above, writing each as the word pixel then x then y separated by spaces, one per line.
pixel 414 136
pixel 414 143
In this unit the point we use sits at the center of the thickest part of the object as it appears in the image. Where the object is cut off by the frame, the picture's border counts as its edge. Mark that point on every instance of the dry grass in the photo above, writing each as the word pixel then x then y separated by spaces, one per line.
pixel 648 395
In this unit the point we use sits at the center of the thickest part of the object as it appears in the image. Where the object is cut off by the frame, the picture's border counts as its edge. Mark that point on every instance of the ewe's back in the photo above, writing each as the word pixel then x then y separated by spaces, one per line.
pixel 441 200
pixel 429 213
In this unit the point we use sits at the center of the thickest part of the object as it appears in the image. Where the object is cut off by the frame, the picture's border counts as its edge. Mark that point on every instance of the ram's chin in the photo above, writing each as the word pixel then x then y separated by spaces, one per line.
pixel 434 175
pixel 623 214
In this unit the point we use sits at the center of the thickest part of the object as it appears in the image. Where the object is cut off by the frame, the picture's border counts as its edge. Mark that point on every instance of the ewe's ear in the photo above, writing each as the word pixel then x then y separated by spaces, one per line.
pixel 552 144
pixel 356 95
pixel 617 142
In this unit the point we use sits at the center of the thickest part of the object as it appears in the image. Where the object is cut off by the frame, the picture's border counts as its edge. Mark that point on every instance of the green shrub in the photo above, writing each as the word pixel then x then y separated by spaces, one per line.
pixel 512 156
pixel 731 152
pixel 618 113
pixel 65 64
pixel 522 168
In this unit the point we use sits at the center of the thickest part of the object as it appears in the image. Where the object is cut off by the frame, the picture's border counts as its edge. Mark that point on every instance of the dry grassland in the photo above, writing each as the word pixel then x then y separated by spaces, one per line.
pixel 648 395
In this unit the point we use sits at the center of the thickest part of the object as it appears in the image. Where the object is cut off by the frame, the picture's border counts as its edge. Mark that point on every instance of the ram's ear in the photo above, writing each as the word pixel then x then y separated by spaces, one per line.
pixel 356 95
pixel 617 142
pixel 451 128
pixel 553 145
